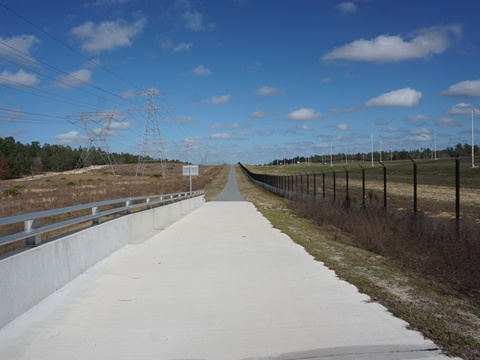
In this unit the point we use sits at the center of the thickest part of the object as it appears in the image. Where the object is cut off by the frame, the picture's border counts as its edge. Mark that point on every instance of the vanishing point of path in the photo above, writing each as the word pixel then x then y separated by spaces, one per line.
pixel 219 284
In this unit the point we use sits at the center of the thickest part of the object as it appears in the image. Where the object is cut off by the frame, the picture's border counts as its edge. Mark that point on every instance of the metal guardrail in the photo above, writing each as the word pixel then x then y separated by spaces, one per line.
pixel 32 221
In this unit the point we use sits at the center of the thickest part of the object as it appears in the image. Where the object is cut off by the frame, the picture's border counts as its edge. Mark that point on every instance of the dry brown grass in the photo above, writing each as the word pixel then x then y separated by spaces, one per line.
pixel 426 245
pixel 51 191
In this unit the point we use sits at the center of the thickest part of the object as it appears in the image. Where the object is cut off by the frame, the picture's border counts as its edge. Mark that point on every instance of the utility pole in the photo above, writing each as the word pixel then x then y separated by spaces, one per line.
pixel 151 148
pixel 97 127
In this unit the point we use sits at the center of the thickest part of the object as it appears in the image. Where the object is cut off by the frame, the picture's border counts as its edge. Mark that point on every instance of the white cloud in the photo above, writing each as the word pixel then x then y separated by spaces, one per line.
pixel 225 126
pixel 384 48
pixel 128 94
pixel 460 109
pixel 201 70
pixel 421 138
pixel 405 97
pixel 195 21
pixel 182 47
pixel 467 88
pixel 179 120
pixel 325 80
pixel 220 136
pixel 422 131
pixel 304 114
pixel 419 118
pixel 390 129
pixel 447 121
pixel 71 137
pixel 219 99
pixel 254 66
pixel 303 127
pixel 16 45
pixel 108 35
pixel 347 7
pixel 74 79
pixel 344 111
pixel 244 133
pixel 266 133
pixel 268 90
pixel 342 127
pixel 20 78
pixel 259 114
pixel 119 125
pixel 13 115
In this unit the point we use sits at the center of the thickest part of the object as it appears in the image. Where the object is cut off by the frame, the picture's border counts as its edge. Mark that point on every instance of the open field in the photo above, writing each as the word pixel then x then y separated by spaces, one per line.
pixel 436 184
pixel 57 190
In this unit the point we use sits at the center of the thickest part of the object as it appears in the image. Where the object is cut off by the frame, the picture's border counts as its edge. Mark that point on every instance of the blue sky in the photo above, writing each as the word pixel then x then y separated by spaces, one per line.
pixel 241 80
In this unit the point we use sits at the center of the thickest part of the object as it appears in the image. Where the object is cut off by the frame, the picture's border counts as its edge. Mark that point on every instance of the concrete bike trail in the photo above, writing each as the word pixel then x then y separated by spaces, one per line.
pixel 219 284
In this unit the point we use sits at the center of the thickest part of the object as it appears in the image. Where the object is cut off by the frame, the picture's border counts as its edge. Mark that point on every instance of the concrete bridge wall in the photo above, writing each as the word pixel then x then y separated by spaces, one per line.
pixel 30 276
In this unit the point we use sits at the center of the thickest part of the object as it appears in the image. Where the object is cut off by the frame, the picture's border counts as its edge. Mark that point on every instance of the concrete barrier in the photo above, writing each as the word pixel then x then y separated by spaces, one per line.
pixel 30 276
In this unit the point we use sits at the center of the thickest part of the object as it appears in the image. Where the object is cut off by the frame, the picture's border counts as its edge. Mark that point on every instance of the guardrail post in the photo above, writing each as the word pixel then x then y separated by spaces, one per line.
pixel 149 201
pixel 128 204
pixel 29 225
pixel 95 211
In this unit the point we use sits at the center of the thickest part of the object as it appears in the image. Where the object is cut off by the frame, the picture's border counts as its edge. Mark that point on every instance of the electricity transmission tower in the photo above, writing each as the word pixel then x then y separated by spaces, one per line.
pixel 97 127
pixel 151 148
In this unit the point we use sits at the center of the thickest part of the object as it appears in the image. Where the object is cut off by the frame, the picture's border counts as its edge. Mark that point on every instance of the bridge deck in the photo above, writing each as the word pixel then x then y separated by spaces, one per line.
pixel 221 284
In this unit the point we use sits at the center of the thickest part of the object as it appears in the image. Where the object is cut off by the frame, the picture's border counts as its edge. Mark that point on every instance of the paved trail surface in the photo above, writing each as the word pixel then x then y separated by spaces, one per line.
pixel 219 284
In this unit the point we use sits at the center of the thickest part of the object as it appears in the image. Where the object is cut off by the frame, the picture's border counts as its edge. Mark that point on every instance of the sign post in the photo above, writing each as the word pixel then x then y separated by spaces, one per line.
pixel 190 170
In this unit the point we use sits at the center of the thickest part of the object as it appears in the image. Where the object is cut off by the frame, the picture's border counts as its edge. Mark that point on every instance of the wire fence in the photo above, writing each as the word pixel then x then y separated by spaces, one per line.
pixel 385 186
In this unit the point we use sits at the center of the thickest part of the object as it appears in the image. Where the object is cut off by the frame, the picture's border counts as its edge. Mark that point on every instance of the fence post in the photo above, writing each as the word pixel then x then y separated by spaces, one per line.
pixel 301 184
pixel 308 184
pixel 457 196
pixel 415 183
pixel 334 185
pixel 384 185
pixel 363 186
pixel 323 183
pixel 346 183
pixel 314 185
pixel 30 225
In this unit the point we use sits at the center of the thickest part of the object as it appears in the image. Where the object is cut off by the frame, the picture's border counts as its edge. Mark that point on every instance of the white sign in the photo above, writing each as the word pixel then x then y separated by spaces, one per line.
pixel 190 170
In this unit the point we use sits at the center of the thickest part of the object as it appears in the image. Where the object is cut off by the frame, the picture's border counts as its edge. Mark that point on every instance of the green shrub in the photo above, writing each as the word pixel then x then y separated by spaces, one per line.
pixel 70 183
pixel 156 176
pixel 11 192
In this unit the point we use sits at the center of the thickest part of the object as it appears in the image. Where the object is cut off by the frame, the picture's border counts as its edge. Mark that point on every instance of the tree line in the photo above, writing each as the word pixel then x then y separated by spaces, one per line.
pixel 17 159
pixel 461 150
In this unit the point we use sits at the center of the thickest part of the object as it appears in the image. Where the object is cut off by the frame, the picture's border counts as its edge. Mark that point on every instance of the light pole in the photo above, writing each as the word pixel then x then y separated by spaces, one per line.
pixel 473 145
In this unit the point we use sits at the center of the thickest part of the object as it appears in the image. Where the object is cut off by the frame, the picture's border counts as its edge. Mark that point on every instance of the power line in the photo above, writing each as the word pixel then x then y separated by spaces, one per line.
pixel 68 46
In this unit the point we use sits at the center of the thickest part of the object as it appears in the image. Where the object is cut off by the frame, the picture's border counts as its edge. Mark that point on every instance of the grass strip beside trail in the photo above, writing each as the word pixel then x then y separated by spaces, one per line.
pixel 449 319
